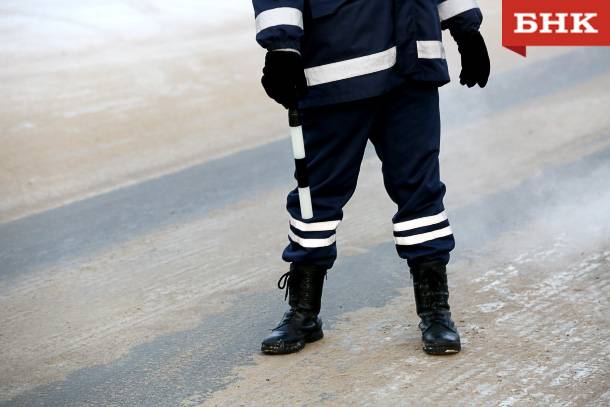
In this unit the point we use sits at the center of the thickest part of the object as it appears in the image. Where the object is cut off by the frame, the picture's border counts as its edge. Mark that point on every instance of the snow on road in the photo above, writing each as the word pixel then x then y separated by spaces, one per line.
pixel 99 95
pixel 35 28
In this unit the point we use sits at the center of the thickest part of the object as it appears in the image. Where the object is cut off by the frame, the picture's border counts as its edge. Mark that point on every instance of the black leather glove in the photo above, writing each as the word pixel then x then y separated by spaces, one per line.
pixel 475 59
pixel 284 77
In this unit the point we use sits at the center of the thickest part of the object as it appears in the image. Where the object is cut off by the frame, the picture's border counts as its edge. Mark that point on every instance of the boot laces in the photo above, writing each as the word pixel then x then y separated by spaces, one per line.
pixel 284 282
pixel 286 319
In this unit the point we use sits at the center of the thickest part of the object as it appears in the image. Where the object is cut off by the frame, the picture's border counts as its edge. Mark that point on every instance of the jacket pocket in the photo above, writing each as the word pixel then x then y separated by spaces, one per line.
pixel 322 8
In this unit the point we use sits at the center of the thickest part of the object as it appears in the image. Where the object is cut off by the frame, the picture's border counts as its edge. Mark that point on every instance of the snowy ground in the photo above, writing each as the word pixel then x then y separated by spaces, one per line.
pixel 141 223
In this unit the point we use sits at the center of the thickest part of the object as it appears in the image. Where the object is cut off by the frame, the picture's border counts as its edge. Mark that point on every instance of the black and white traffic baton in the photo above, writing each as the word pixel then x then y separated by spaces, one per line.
pixel 298 150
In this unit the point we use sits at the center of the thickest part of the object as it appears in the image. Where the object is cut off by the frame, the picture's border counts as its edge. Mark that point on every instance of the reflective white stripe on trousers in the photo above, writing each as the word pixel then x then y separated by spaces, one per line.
pixel 312 243
pixel 315 226
pixel 422 237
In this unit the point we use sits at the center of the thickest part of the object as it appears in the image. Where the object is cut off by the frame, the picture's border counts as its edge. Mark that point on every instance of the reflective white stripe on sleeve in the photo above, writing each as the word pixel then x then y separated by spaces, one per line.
pixel 451 8
pixel 420 222
pixel 279 16
pixel 423 237
pixel 316 226
pixel 351 68
pixel 312 243
pixel 430 50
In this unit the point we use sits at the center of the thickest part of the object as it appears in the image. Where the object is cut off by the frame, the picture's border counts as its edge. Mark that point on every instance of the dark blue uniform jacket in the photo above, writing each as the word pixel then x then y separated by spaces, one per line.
pixel 355 49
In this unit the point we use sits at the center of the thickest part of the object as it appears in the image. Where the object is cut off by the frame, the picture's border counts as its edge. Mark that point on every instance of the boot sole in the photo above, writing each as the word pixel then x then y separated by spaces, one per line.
pixel 284 349
pixel 446 349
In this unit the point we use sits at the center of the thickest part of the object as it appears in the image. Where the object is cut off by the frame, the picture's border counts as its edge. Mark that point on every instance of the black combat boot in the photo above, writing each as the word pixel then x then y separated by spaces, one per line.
pixel 301 323
pixel 439 334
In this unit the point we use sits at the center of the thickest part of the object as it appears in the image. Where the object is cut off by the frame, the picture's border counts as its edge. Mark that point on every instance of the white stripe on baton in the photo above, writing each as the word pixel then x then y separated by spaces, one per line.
pixel 298 151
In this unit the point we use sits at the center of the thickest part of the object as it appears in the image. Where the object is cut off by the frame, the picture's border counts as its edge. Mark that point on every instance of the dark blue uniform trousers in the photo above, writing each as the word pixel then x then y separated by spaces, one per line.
pixel 404 127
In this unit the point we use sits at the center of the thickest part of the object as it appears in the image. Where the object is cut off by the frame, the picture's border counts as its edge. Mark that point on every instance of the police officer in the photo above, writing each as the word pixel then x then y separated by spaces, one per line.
pixel 362 70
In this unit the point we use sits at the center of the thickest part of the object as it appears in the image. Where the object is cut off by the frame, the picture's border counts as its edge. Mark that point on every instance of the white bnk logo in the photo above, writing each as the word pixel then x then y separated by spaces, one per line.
pixel 528 23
